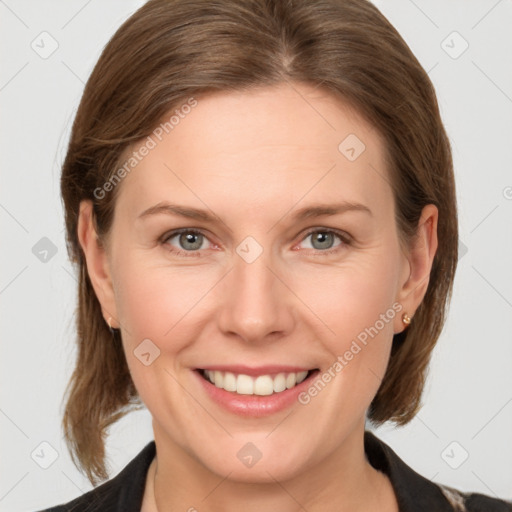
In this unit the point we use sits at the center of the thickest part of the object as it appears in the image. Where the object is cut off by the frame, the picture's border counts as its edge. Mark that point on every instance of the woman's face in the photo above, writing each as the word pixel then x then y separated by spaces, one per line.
pixel 289 262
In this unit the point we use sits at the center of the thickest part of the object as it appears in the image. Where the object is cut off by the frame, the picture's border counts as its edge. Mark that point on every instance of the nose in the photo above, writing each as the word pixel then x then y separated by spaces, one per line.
pixel 257 304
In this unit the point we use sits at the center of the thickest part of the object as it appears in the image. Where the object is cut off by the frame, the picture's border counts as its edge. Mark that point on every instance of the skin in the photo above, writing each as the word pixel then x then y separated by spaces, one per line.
pixel 254 158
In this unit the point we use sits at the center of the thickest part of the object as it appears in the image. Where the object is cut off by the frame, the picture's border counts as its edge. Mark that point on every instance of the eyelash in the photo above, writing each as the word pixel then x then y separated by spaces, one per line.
pixel 344 237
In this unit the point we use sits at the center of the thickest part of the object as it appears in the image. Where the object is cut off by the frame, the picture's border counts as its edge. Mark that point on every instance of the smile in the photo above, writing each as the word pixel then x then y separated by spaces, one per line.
pixel 262 385
pixel 254 392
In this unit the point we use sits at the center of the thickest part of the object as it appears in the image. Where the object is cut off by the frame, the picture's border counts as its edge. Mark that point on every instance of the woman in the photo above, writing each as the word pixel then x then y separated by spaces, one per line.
pixel 260 200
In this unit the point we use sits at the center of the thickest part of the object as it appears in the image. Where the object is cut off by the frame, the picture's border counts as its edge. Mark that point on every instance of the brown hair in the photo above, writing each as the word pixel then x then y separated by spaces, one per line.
pixel 171 50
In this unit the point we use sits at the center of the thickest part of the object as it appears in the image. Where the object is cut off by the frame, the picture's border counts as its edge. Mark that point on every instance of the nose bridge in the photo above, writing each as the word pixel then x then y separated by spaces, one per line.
pixel 257 303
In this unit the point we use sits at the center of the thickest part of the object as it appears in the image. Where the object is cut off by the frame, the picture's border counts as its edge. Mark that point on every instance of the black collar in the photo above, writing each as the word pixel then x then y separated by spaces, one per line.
pixel 414 493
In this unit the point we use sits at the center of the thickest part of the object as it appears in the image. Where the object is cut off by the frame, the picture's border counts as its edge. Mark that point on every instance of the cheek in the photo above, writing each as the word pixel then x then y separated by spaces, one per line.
pixel 351 298
pixel 159 304
pixel 155 302
pixel 357 307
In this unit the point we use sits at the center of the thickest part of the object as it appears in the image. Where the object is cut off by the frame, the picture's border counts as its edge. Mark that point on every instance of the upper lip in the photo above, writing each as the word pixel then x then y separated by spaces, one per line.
pixel 256 371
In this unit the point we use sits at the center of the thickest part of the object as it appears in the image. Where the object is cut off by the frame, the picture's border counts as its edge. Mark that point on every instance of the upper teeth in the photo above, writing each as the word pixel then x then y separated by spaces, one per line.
pixel 261 385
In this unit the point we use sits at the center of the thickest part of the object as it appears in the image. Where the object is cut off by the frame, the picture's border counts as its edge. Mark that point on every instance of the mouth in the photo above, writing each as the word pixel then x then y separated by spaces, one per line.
pixel 264 384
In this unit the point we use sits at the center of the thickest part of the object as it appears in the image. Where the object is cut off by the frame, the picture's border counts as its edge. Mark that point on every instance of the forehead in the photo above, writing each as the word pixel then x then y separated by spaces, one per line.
pixel 264 148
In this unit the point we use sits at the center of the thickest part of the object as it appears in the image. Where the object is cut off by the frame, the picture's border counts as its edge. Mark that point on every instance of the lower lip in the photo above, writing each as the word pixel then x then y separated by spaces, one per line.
pixel 254 405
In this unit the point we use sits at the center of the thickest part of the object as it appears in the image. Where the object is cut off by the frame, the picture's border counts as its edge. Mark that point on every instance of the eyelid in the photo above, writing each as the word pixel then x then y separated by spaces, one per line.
pixel 345 238
pixel 174 232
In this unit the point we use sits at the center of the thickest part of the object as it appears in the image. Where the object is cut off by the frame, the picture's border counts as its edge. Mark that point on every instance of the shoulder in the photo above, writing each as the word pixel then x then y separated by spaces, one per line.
pixel 416 493
pixel 122 493
pixel 473 502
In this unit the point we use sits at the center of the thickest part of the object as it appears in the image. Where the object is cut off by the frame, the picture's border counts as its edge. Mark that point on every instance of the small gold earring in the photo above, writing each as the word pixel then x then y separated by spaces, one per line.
pixel 406 319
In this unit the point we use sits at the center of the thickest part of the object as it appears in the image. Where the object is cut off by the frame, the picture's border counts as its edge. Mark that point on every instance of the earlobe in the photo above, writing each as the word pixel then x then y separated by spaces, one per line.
pixel 420 259
pixel 97 262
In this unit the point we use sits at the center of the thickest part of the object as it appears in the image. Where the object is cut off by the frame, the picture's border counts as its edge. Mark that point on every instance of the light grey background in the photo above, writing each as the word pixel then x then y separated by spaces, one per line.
pixel 468 398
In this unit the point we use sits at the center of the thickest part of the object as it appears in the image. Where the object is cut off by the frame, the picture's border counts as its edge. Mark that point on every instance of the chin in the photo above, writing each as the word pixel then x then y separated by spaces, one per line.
pixel 256 462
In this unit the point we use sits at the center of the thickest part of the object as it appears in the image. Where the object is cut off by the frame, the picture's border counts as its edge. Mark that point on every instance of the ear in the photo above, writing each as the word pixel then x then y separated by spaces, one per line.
pixel 420 257
pixel 98 266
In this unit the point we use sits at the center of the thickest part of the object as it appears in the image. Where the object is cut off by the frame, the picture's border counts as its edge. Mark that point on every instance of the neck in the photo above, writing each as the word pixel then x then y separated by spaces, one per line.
pixel 345 481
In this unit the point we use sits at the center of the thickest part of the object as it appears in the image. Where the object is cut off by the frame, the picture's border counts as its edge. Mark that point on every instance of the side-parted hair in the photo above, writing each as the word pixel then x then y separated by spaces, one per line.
pixel 172 50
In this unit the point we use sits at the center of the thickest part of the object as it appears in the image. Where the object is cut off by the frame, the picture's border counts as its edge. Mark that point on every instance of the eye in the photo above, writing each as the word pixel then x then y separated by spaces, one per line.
pixel 185 241
pixel 326 240
pixel 190 242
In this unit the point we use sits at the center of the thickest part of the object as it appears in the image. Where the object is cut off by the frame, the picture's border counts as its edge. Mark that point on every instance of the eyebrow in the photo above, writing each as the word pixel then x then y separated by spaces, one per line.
pixel 306 212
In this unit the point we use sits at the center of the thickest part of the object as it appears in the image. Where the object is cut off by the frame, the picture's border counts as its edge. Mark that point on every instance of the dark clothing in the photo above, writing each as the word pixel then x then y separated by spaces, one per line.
pixel 414 493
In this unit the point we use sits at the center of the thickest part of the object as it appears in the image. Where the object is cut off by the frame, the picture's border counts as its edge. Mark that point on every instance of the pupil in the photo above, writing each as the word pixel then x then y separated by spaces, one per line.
pixel 188 238
pixel 324 239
